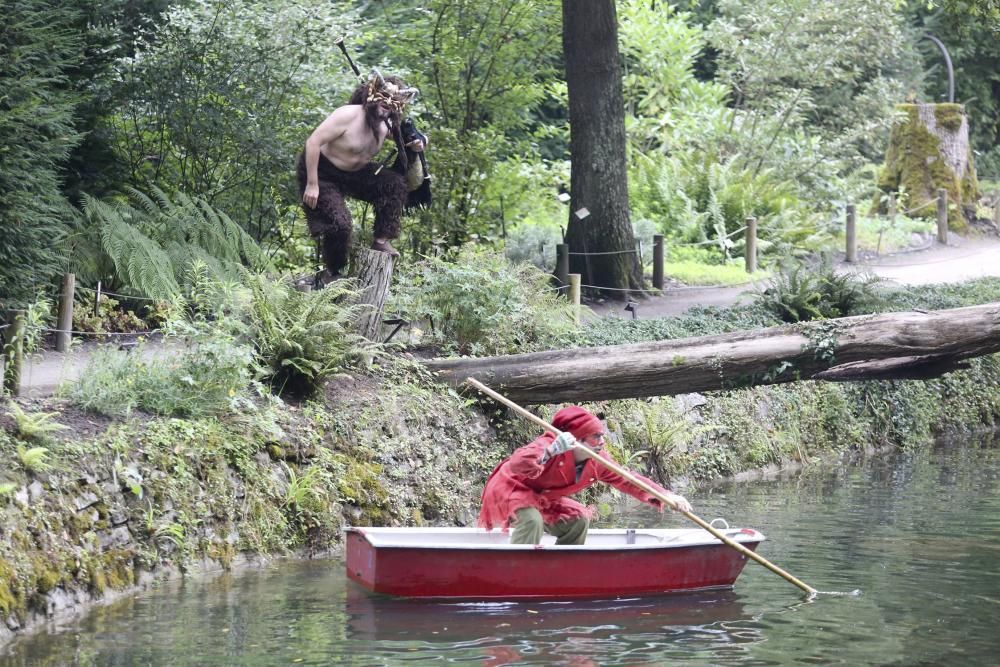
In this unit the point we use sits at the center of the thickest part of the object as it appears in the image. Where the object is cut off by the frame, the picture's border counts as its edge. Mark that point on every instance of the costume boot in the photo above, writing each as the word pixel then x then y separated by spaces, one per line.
pixel 384 246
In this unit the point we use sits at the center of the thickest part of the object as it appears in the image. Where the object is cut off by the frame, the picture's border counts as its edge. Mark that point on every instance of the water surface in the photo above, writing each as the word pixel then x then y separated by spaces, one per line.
pixel 917 533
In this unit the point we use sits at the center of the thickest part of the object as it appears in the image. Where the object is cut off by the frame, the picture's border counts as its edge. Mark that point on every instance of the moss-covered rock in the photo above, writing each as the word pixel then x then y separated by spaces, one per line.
pixel 929 149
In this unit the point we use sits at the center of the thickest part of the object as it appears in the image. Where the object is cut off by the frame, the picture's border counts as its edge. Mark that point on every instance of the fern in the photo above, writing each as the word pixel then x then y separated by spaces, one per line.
pixel 34 459
pixel 154 242
pixel 302 338
pixel 34 426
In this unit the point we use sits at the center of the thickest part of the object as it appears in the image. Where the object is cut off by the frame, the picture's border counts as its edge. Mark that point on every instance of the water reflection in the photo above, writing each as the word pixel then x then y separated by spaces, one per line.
pixel 579 632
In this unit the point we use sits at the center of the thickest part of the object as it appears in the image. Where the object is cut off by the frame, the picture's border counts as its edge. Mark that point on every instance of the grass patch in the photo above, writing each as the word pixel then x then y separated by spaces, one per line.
pixel 695 273
pixel 876 234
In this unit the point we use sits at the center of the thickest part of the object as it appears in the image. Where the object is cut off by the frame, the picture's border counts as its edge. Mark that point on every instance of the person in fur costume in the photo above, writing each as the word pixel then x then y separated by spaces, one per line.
pixel 530 490
pixel 338 162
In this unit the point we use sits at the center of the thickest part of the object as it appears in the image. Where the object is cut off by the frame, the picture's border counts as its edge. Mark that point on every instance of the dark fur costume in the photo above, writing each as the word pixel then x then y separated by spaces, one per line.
pixel 387 192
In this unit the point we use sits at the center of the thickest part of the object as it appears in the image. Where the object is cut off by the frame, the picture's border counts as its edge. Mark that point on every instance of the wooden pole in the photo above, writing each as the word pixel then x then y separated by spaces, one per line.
pixel 562 267
pixel 574 295
pixel 614 467
pixel 14 354
pixel 852 234
pixel 942 216
pixel 97 300
pixel 658 261
pixel 751 245
pixel 892 209
pixel 63 337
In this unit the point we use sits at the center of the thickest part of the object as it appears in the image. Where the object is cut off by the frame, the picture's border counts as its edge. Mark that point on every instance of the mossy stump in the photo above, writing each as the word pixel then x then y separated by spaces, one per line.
pixel 929 149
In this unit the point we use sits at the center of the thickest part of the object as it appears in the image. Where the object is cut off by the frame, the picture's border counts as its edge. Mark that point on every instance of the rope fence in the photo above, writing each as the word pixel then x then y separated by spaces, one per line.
pixel 94 333
pixel 120 296
pixel 610 252
pixel 714 241
pixel 926 204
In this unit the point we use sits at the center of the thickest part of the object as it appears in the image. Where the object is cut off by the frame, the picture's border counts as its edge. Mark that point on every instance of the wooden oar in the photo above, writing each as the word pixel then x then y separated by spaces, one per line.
pixel 611 465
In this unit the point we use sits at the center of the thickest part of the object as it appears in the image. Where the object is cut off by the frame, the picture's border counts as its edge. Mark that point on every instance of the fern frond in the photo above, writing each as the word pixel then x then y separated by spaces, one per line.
pixel 139 259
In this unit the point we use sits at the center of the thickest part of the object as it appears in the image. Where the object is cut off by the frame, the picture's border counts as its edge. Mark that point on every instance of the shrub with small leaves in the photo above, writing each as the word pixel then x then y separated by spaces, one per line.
pixel 482 304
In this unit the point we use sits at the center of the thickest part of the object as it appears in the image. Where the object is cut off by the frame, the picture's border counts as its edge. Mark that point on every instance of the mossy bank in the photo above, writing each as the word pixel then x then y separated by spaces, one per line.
pixel 142 499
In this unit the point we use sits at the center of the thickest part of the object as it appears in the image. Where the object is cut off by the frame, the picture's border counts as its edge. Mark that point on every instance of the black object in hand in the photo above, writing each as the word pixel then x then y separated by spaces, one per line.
pixel 410 132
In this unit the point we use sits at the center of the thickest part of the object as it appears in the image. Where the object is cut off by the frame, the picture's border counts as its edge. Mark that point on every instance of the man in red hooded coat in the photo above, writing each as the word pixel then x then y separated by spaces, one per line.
pixel 530 489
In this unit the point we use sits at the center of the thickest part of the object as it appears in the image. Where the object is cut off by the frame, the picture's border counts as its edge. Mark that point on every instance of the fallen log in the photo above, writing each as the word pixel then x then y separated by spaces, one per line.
pixel 902 345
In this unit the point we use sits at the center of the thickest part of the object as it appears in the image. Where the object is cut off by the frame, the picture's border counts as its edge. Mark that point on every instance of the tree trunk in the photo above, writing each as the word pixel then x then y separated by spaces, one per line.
pixel 374 278
pixel 598 182
pixel 893 346
pixel 929 149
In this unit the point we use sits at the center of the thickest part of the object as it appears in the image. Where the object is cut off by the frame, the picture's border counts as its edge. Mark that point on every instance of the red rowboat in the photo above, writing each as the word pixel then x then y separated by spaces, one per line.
pixel 475 564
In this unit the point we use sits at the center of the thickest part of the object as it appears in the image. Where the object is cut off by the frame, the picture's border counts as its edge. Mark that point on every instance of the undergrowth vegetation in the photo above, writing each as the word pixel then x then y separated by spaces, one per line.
pixel 222 345
pixel 482 304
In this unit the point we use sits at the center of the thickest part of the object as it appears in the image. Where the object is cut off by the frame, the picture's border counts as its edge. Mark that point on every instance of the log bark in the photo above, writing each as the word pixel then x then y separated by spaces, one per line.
pixel 374 278
pixel 890 346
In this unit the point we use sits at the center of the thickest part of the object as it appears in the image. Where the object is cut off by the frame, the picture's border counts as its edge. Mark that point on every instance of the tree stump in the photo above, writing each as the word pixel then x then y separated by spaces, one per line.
pixel 929 149
pixel 374 276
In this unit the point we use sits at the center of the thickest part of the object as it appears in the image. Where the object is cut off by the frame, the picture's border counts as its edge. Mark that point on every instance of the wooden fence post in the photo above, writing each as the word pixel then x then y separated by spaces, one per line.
pixel 751 245
pixel 852 234
pixel 658 261
pixel 14 354
pixel 574 295
pixel 892 209
pixel 63 336
pixel 942 216
pixel 562 267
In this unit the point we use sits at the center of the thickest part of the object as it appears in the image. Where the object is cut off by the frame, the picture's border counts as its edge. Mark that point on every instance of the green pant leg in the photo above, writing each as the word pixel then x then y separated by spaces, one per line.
pixel 571 531
pixel 528 526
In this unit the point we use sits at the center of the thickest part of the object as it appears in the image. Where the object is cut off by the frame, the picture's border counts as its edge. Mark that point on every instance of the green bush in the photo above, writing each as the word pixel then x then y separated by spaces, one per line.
pixel 159 246
pixel 697 321
pixel 204 364
pixel 482 304
pixel 40 48
pixel 302 338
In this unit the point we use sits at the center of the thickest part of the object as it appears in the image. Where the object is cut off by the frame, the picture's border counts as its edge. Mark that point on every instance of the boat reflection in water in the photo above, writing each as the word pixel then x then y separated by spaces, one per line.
pixel 580 632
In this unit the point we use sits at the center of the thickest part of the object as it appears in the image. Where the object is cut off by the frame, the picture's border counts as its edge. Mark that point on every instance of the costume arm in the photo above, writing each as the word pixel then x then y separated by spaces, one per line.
pixel 608 476
pixel 524 461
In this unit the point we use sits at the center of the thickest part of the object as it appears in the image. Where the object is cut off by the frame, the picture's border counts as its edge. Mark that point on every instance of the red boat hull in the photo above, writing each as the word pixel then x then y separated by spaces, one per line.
pixel 421 571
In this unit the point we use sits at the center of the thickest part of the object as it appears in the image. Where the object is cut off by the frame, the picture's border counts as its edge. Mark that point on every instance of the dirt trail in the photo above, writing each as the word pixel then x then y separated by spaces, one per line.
pixel 962 259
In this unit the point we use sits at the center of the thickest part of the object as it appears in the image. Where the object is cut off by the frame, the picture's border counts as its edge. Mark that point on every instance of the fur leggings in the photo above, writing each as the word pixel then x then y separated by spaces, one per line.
pixel 386 191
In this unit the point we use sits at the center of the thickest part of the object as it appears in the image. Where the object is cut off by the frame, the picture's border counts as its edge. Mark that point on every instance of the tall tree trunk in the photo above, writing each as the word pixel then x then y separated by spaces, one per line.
pixel 599 183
